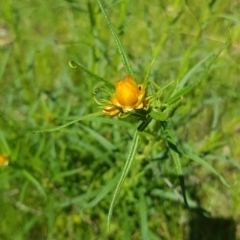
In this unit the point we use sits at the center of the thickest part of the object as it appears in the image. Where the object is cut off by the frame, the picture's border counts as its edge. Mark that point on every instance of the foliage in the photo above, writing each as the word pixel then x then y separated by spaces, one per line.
pixel 59 185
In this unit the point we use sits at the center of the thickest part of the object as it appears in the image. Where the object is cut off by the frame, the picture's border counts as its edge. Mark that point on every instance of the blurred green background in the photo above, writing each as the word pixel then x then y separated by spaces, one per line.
pixel 59 185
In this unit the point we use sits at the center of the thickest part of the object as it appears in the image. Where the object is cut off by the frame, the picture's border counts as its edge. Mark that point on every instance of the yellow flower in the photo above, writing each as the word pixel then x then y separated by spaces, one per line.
pixel 3 160
pixel 128 96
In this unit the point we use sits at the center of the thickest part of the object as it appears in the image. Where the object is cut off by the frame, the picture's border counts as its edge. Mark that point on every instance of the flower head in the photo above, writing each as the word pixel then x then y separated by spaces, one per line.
pixel 3 160
pixel 128 96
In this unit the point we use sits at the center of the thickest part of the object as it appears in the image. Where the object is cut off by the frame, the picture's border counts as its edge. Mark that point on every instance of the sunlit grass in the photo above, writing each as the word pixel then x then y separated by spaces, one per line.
pixel 59 185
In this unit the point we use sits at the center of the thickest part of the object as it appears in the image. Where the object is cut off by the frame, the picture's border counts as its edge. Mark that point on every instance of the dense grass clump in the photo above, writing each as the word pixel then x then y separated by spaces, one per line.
pixel 59 185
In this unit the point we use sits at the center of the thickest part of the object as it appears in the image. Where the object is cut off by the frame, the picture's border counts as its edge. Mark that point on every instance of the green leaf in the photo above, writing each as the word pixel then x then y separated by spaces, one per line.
pixel 68 173
pixel 144 124
pixel 177 162
pixel 126 216
pixel 35 182
pixel 165 194
pixel 86 117
pixel 81 200
pixel 125 60
pixel 207 166
pixel 124 173
pixel 91 197
pixel 103 192
pixel 74 64
pixel 171 195
pixel 143 215
pixel 183 82
pixel 146 79
pixel 4 62
pixel 164 115
pixel 4 147
pixel 190 87
pixel 225 159
pixel 175 153
pixel 103 141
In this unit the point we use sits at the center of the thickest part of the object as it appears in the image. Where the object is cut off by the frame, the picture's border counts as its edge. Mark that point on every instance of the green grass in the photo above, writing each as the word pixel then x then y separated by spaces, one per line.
pixel 59 185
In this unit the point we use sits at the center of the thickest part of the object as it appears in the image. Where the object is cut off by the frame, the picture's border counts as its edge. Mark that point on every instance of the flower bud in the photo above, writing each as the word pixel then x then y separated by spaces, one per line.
pixel 128 92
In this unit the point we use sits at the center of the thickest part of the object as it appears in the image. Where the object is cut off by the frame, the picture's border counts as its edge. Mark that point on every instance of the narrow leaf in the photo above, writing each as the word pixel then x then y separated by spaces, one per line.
pixel 171 195
pixel 176 158
pixel 143 125
pixel 177 162
pixel 103 141
pixel 86 117
pixel 190 87
pixel 124 173
pixel 68 173
pixel 183 82
pixel 74 64
pixel 146 79
pixel 103 192
pixel 125 60
pixel 207 166
pixel 35 182
pixel 143 215
pixel 4 62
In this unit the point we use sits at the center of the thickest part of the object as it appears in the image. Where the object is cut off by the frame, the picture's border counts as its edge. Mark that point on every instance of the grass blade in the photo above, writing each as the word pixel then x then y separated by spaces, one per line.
pixel 68 173
pixel 4 63
pixel 183 82
pixel 207 166
pixel 35 182
pixel 190 87
pixel 104 191
pixel 103 141
pixel 143 215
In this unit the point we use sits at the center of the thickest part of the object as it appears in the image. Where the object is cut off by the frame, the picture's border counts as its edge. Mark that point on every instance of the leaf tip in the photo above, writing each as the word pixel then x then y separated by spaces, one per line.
pixel 72 64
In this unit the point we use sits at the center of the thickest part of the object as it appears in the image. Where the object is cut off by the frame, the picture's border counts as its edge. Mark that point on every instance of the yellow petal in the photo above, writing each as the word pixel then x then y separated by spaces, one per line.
pixel 111 110
pixel 127 92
